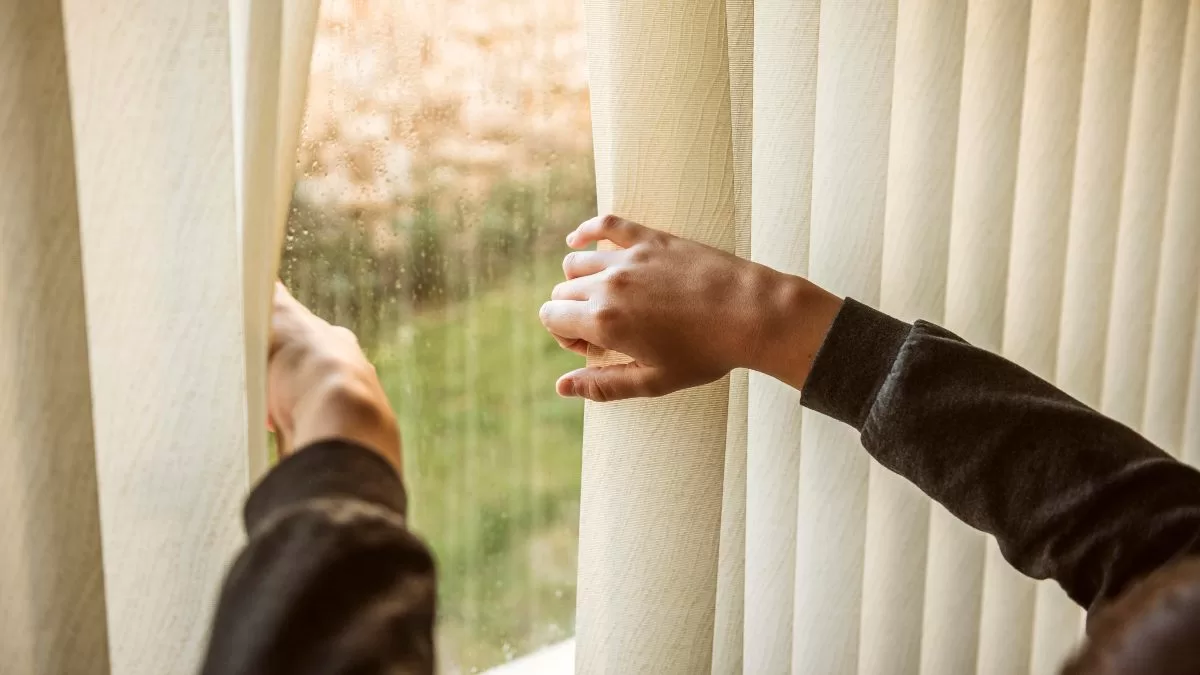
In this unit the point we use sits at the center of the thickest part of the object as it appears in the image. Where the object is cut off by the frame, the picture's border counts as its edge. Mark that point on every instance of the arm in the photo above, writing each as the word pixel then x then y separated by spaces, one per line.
pixel 1068 493
pixel 331 580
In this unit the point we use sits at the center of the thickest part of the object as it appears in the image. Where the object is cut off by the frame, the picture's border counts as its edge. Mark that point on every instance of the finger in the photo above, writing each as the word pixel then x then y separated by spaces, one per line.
pixel 568 319
pixel 623 233
pixel 580 347
pixel 575 289
pixel 613 383
pixel 583 263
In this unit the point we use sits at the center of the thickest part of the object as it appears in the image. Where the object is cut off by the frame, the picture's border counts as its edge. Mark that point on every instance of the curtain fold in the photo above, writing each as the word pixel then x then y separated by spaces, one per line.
pixel 728 626
pixel 51 583
pixel 271 47
pixel 856 46
pixel 784 110
pixel 664 155
pixel 1015 170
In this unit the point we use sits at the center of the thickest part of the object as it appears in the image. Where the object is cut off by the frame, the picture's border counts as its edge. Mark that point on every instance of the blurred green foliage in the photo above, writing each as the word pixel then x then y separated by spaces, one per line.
pixel 443 292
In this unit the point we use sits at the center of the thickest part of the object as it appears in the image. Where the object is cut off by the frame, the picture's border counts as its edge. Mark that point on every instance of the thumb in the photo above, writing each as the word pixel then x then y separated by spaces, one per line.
pixel 613 383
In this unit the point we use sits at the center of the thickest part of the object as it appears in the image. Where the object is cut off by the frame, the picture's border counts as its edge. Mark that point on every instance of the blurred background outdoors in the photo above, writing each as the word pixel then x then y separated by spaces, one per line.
pixel 445 153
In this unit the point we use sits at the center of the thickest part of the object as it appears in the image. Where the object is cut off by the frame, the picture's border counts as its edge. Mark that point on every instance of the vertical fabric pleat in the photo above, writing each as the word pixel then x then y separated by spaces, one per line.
pixel 977 270
pixel 51 581
pixel 920 187
pixel 271 47
pixel 1191 427
pixel 1087 284
pixel 1175 300
pixel 663 157
pixel 1041 211
pixel 849 175
pixel 1143 204
pixel 150 93
pixel 785 76
pixel 731 567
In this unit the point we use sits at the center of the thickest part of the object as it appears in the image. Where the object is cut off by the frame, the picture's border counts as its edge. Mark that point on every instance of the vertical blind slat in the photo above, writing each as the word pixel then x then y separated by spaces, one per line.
pixel 163 289
pixel 1143 203
pixel 920 188
pixel 850 161
pixel 664 158
pixel 728 627
pixel 785 72
pixel 1175 301
pixel 51 582
pixel 985 177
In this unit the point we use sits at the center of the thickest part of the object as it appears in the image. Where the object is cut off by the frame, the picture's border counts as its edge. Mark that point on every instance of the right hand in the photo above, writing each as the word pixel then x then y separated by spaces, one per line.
pixel 685 313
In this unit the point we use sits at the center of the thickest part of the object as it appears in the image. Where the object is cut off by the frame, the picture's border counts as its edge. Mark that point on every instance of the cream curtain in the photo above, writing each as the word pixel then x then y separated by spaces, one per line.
pixel 1022 172
pixel 148 150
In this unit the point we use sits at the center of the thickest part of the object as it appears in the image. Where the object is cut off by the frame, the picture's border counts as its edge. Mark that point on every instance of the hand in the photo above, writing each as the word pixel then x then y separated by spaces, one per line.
pixel 685 313
pixel 320 386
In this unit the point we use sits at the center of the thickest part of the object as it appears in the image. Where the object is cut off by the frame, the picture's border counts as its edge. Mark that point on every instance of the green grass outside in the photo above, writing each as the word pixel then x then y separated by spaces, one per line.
pixel 492 464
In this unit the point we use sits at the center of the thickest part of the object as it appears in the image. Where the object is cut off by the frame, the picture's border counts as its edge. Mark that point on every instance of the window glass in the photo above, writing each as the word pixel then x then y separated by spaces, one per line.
pixel 445 153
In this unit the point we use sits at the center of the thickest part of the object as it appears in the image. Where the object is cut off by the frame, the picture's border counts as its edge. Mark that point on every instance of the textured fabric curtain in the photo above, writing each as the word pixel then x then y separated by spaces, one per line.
pixel 147 170
pixel 1021 172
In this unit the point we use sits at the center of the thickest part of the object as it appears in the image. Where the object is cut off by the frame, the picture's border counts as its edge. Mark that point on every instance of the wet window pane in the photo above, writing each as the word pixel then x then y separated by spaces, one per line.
pixel 446 151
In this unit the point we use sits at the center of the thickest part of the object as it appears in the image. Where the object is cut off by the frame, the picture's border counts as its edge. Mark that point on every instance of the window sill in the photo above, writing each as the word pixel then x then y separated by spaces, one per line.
pixel 557 659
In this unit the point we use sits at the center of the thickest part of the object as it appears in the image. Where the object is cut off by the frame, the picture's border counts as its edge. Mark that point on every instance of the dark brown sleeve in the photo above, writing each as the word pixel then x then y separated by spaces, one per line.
pixel 1068 493
pixel 331 580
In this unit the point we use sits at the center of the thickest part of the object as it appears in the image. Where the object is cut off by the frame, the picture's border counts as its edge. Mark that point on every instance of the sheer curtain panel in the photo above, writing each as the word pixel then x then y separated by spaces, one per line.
pixel 1019 171
pixel 150 149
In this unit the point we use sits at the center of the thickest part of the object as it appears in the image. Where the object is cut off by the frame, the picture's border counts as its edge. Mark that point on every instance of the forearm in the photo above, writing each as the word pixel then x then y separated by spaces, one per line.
pixel 331 580
pixel 1068 493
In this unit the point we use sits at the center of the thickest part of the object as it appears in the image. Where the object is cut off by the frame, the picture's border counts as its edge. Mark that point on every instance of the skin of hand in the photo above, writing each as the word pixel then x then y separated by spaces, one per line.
pixel 685 313
pixel 320 385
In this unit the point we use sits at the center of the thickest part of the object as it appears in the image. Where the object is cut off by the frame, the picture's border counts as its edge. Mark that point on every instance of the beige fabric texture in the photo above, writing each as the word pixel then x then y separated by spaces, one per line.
pixel 271 48
pixel 1143 205
pixel 728 625
pixel 51 583
pixel 163 288
pixel 650 512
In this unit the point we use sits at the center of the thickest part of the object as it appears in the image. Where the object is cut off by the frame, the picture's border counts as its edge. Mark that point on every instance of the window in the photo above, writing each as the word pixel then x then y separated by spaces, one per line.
pixel 445 153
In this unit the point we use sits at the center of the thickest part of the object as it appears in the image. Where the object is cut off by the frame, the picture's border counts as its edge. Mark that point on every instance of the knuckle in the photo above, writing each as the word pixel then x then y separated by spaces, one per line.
pixel 610 222
pixel 608 320
pixel 619 278
pixel 640 254
pixel 598 391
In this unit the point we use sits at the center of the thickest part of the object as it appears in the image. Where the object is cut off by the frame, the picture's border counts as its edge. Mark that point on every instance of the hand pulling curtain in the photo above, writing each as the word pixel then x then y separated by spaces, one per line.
pixel 1013 170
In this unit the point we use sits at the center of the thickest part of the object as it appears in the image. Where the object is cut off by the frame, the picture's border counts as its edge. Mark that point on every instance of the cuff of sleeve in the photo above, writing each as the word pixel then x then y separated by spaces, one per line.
pixel 325 470
pixel 853 363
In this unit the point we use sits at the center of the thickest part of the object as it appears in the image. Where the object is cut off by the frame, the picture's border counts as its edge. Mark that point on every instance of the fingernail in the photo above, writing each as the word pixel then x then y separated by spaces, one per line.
pixel 567 387
pixel 571 239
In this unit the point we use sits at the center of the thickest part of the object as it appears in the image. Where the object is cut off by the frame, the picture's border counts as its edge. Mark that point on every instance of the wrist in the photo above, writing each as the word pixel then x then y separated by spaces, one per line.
pixel 793 317
pixel 349 407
